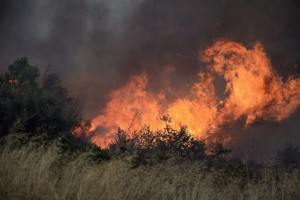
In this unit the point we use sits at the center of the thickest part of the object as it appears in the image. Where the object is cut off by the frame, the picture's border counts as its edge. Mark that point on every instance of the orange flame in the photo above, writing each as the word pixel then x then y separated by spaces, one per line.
pixel 253 90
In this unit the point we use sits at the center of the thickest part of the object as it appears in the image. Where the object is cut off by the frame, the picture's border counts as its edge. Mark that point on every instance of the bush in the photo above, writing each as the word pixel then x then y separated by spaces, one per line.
pixel 149 147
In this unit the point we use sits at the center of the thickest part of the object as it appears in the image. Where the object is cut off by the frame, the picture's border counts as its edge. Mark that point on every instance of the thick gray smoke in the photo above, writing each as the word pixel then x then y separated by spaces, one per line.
pixel 95 45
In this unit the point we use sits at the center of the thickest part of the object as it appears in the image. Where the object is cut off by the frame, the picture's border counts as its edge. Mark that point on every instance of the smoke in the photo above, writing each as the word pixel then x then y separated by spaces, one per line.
pixel 96 45
pixel 79 39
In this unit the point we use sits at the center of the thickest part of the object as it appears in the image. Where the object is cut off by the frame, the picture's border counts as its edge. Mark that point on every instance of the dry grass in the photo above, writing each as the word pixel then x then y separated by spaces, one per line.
pixel 45 172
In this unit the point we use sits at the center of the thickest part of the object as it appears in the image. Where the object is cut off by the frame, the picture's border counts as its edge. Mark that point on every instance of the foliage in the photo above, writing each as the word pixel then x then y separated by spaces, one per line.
pixel 27 107
pixel 218 150
pixel 149 147
pixel 49 173
pixel 40 115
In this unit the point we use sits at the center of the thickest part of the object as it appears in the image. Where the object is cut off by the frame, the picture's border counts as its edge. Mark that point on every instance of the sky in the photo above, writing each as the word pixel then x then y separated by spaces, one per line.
pixel 96 45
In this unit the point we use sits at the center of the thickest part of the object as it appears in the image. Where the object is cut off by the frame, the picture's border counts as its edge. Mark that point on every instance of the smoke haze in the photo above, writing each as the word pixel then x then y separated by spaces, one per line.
pixel 96 45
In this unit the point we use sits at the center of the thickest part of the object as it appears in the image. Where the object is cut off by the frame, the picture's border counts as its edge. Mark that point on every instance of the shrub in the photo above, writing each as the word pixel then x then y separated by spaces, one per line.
pixel 149 147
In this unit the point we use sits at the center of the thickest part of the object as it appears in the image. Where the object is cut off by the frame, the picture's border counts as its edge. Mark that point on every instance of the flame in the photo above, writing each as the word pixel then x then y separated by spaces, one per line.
pixel 129 108
pixel 253 90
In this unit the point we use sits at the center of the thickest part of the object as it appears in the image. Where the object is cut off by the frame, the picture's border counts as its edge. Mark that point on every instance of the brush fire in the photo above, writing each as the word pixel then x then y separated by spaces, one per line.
pixel 253 91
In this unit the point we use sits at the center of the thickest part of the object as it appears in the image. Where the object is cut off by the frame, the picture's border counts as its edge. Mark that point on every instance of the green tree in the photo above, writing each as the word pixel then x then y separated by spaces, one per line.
pixel 27 107
pixel 23 74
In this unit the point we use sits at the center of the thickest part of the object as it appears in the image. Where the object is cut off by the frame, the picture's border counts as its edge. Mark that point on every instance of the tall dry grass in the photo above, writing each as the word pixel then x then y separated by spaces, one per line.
pixel 46 172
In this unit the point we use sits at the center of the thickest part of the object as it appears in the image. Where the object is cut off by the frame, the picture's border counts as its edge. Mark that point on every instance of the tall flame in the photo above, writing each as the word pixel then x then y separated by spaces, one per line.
pixel 253 90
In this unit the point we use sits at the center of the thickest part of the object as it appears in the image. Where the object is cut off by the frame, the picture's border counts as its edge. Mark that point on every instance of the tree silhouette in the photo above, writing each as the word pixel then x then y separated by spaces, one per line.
pixel 27 107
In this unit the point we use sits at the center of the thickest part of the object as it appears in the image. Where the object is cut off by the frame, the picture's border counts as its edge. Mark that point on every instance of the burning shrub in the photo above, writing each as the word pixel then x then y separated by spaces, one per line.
pixel 252 92
pixel 148 146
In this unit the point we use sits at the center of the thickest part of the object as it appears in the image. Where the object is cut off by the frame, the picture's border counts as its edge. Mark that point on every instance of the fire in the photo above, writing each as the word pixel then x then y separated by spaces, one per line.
pixel 129 108
pixel 253 90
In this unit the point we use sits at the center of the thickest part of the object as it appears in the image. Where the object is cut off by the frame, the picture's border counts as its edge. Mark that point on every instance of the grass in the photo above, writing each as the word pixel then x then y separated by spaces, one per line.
pixel 45 171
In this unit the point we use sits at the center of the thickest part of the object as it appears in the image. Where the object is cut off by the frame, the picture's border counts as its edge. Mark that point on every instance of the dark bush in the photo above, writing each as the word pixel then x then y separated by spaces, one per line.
pixel 217 150
pixel 147 146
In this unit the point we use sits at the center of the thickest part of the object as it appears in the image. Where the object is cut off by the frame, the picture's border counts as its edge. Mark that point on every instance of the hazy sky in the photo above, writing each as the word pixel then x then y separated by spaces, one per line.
pixel 95 45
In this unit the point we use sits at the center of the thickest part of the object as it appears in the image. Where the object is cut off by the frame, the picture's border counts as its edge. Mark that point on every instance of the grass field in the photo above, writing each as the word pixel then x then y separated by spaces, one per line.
pixel 45 171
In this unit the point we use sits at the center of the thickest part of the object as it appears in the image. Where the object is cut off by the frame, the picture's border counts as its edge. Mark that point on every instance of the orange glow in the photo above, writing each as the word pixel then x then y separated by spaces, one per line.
pixel 253 90
pixel 129 107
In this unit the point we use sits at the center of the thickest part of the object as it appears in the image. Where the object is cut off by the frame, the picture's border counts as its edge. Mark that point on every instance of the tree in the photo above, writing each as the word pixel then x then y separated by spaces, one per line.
pixel 21 73
pixel 27 107
pixel 16 87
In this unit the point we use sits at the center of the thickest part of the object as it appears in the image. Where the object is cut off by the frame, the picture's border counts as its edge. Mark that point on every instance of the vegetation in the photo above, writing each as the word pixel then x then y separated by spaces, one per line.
pixel 40 158
pixel 147 147
pixel 35 171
